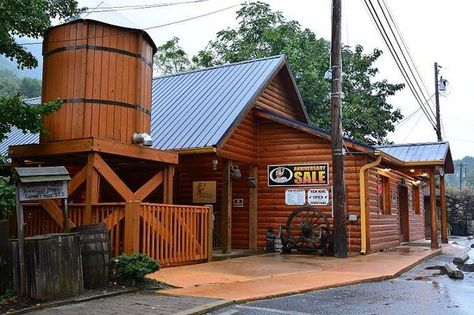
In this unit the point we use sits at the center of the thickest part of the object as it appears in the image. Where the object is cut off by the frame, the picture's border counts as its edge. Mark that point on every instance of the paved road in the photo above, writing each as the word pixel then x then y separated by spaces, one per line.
pixel 419 291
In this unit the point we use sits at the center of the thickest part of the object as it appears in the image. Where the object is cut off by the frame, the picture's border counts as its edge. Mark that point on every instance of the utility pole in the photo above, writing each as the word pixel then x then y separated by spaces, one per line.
pixel 438 114
pixel 339 200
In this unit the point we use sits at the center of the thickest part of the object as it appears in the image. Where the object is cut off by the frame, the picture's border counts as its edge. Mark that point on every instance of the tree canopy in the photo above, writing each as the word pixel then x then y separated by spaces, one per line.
pixel 262 32
pixel 26 19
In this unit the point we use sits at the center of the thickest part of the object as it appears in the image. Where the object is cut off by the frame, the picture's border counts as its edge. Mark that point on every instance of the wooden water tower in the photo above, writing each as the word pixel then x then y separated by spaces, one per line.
pixel 103 74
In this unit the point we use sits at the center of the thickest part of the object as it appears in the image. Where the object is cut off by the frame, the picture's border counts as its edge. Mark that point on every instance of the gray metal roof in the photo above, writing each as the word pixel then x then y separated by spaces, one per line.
pixel 417 152
pixel 17 136
pixel 195 109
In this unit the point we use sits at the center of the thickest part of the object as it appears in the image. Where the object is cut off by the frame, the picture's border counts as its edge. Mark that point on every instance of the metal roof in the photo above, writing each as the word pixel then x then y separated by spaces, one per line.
pixel 195 109
pixel 417 152
pixel 17 136
pixel 434 153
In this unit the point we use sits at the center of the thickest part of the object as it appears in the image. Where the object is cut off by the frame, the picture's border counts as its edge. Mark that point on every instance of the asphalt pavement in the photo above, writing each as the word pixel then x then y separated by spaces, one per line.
pixel 418 291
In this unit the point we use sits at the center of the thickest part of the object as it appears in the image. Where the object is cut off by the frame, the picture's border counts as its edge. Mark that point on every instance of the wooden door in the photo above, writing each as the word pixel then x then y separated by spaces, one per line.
pixel 403 213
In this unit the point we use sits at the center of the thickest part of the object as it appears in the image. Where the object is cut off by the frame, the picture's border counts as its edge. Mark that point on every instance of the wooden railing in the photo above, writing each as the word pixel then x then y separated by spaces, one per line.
pixel 170 234
pixel 174 234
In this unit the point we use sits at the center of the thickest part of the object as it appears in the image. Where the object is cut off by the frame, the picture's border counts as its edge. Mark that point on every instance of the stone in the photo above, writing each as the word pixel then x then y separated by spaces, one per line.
pixel 468 266
pixel 472 245
pixel 453 271
pixel 470 237
pixel 460 259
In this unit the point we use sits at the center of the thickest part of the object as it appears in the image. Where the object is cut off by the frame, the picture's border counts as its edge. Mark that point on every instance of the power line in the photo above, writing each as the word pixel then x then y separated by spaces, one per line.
pixel 403 55
pixel 141 6
pixel 145 29
pixel 385 36
pixel 406 47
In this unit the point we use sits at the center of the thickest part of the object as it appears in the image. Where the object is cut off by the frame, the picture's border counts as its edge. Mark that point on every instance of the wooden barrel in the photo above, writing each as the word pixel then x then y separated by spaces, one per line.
pixel 103 74
pixel 53 266
pixel 95 251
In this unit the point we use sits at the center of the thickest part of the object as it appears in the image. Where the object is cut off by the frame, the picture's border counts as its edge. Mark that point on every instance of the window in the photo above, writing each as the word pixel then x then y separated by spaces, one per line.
pixel 383 194
pixel 416 199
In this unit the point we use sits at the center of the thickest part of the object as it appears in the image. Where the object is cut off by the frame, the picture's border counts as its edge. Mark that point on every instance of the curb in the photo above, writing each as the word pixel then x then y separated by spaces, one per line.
pixel 204 309
pixel 71 301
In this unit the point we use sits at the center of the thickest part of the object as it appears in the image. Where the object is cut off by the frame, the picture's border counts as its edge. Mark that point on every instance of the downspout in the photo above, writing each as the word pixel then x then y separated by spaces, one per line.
pixel 363 219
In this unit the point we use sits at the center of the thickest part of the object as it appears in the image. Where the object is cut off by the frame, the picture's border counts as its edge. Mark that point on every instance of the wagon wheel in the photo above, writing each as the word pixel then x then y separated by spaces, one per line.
pixel 309 229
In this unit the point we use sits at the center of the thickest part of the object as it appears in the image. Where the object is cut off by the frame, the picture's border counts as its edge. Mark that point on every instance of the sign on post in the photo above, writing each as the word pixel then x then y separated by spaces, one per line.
pixel 38 183
pixel 43 190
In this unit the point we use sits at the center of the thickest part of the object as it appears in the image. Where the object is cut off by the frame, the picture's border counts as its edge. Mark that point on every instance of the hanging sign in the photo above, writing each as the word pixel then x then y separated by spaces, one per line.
pixel 295 197
pixel 318 197
pixel 42 190
pixel 298 174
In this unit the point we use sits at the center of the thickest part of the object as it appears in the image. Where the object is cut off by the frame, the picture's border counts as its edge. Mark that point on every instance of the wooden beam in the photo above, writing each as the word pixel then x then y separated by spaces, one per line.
pixel 55 212
pixel 433 213
pixel 52 148
pixel 132 227
pixel 112 178
pixel 149 186
pixel 134 151
pixel 92 145
pixel 444 214
pixel 210 232
pixel 77 180
pixel 168 185
pixel 226 208
pixel 253 206
pixel 92 188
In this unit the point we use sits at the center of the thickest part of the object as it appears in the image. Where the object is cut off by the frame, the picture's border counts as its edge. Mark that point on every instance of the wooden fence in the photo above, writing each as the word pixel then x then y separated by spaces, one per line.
pixel 170 234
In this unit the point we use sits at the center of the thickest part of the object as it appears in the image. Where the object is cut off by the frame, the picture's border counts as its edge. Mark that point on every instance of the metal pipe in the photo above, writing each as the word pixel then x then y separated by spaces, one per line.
pixel 363 218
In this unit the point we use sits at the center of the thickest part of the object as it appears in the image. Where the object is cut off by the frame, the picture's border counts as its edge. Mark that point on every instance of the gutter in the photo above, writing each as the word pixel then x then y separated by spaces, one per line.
pixel 363 217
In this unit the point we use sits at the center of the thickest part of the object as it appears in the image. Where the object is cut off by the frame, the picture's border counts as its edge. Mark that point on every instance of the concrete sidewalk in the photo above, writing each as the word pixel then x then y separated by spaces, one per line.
pixel 271 275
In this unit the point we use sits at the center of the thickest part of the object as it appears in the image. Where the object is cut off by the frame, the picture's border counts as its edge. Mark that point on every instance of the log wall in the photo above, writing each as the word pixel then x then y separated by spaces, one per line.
pixel 385 228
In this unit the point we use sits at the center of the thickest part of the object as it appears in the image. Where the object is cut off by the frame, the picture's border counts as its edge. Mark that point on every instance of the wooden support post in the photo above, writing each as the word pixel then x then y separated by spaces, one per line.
pixel 210 232
pixel 433 213
pixel 92 189
pixel 168 185
pixel 226 209
pixel 20 221
pixel 65 215
pixel 253 206
pixel 132 227
pixel 444 214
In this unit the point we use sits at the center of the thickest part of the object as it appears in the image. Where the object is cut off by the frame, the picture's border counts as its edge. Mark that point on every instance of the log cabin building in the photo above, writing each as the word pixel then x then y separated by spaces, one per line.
pixel 235 136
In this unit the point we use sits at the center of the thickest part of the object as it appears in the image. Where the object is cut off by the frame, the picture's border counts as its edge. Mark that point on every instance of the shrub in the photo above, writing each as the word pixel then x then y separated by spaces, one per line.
pixel 133 268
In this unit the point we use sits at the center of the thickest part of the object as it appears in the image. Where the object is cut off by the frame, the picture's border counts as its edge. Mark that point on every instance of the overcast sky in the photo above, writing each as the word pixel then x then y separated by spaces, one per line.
pixel 434 30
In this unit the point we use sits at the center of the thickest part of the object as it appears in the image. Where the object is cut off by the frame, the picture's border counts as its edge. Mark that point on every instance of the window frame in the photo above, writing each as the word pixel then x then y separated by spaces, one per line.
pixel 384 206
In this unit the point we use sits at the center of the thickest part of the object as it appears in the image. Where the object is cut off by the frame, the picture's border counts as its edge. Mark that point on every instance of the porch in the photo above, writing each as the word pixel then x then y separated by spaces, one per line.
pixel 270 275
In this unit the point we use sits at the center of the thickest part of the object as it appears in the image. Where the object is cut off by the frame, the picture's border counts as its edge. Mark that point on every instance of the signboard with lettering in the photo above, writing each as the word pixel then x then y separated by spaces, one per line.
pixel 42 190
pixel 298 174
pixel 318 197
pixel 295 197
pixel 204 192
pixel 238 202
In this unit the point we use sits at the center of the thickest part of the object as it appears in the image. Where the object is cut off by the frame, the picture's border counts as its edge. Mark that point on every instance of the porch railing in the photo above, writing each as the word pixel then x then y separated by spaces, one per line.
pixel 170 234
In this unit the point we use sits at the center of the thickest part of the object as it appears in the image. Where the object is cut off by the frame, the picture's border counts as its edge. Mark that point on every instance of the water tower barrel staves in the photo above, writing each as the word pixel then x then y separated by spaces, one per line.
pixel 103 74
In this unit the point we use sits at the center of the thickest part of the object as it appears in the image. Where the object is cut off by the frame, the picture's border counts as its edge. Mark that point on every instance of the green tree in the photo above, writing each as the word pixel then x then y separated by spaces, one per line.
pixel 171 58
pixel 11 84
pixel 30 87
pixel 27 19
pixel 261 32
